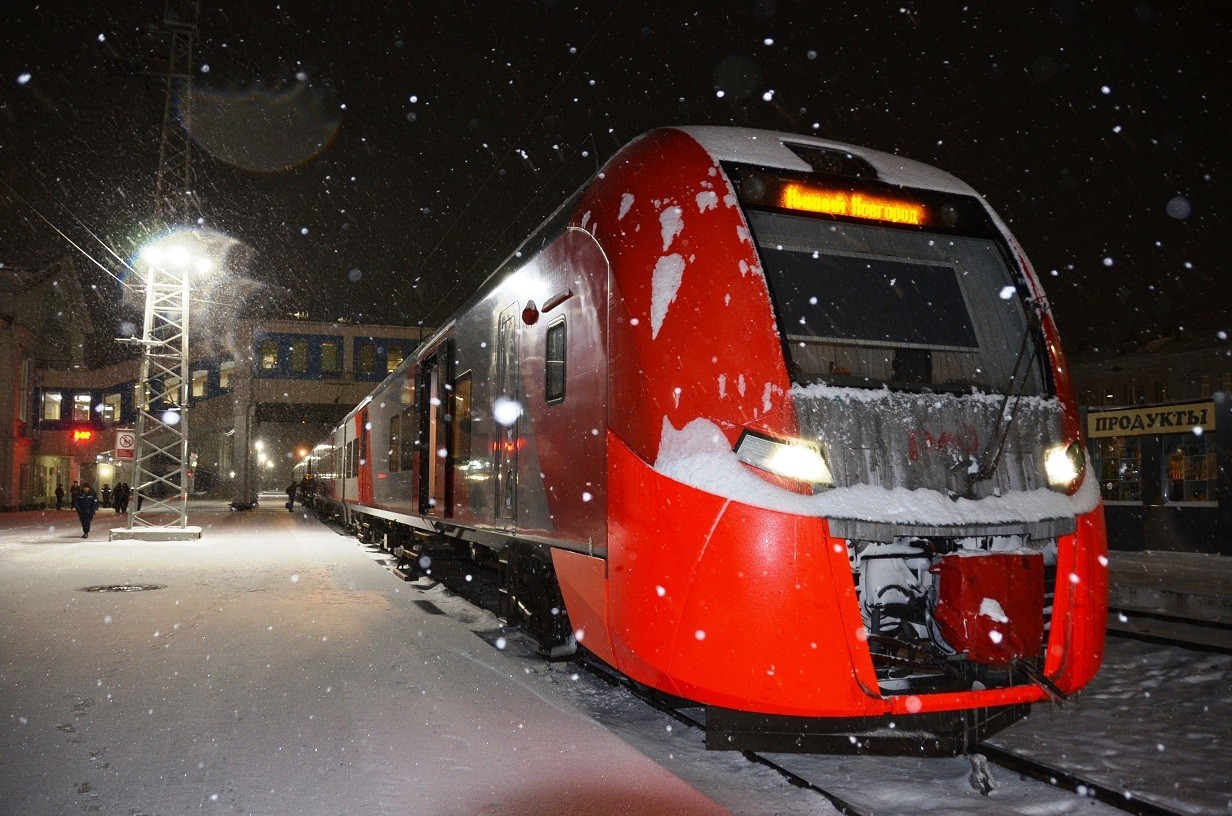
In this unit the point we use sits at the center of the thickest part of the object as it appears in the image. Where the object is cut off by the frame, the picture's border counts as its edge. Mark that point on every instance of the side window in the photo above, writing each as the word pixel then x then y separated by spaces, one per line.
pixel 52 407
pixel 554 363
pixel 395 442
pixel 225 369
pixel 393 357
pixel 112 408
pixel 268 354
pixel 331 356
pixel 81 408
pixel 409 418
pixel 462 419
pixel 365 358
pixel 299 355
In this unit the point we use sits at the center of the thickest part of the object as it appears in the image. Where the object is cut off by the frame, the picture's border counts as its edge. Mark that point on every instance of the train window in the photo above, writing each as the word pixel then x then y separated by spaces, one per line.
pixel 462 419
pixel 554 363
pixel 409 432
pixel 395 442
pixel 331 356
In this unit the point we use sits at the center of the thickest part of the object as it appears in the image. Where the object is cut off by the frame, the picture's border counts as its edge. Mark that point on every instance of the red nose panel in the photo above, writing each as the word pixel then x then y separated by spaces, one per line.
pixel 991 606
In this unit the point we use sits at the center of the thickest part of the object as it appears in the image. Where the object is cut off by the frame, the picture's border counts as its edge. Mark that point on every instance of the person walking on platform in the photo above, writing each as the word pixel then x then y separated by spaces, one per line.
pixel 291 489
pixel 86 505
pixel 59 495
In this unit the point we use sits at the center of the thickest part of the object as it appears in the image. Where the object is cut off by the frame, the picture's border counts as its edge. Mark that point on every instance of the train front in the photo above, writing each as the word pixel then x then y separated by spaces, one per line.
pixel 848 497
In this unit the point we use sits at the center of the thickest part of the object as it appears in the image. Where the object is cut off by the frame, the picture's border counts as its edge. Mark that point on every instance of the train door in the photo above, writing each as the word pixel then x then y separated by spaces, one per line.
pixel 436 452
pixel 507 412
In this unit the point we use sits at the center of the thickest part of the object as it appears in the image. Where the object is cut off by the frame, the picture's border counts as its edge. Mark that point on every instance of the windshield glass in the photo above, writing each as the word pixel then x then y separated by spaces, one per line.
pixel 871 306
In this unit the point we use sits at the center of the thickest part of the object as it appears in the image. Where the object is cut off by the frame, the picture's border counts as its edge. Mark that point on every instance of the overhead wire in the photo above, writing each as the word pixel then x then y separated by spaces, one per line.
pixel 73 243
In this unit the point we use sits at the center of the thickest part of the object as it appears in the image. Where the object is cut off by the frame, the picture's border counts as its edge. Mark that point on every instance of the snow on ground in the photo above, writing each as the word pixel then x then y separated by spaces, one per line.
pixel 281 670
pixel 1156 721
pixel 278 671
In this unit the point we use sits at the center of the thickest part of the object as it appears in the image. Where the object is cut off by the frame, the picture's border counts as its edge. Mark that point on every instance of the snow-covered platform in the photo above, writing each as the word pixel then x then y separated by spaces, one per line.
pixel 188 533
pixel 1173 595
pixel 275 667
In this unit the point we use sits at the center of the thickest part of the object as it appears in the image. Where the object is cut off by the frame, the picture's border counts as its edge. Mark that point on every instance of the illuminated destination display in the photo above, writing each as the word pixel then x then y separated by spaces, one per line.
pixel 795 196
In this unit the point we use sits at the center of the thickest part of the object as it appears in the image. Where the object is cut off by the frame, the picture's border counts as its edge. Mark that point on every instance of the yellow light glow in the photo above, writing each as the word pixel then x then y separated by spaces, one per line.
pixel 837 202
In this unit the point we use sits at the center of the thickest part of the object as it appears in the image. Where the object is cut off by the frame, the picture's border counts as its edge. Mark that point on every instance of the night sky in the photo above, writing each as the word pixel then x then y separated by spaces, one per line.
pixel 377 159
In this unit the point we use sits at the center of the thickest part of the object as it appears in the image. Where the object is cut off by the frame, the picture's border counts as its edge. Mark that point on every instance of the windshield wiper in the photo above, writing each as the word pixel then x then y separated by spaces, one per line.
pixel 991 457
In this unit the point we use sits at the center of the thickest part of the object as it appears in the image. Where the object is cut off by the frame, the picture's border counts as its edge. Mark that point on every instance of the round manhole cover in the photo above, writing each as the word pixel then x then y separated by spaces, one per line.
pixel 123 587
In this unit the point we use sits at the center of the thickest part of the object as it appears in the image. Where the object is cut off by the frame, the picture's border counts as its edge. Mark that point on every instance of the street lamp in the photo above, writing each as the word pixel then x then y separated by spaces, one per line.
pixel 167 266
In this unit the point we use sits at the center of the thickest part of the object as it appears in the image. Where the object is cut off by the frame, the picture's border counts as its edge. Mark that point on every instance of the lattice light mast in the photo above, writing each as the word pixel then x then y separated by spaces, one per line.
pixel 161 456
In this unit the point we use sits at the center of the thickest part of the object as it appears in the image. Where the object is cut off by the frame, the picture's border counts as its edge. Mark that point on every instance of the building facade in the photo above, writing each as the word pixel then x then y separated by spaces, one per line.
pixel 258 399
pixel 1159 427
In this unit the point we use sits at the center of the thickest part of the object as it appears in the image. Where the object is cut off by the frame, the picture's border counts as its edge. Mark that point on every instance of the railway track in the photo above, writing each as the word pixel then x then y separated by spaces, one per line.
pixel 1035 769
pixel 1028 767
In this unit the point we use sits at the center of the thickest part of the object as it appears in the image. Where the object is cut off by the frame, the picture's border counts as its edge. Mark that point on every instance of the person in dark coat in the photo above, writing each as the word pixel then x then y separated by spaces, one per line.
pixel 86 505
pixel 106 495
pixel 121 498
pixel 59 495
pixel 291 490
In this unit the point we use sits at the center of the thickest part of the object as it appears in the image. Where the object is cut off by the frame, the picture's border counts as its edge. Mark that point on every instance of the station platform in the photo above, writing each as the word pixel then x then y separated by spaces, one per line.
pixel 1184 597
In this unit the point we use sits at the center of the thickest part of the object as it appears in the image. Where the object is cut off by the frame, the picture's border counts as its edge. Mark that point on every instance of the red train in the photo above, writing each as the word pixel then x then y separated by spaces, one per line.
pixel 765 422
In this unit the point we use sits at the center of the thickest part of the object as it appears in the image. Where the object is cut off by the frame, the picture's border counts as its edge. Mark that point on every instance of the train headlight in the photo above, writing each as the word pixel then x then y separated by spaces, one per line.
pixel 1064 466
pixel 792 459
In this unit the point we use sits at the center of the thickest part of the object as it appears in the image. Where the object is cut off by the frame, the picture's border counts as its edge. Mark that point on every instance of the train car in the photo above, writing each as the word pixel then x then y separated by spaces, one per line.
pixel 772 424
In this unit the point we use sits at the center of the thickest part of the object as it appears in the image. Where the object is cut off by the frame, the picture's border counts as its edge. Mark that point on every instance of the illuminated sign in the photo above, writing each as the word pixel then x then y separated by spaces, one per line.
pixel 82 435
pixel 795 196
pixel 1161 419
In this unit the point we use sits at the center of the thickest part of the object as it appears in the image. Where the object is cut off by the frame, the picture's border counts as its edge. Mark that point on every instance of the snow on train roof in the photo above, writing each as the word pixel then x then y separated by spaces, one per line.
pixel 766 148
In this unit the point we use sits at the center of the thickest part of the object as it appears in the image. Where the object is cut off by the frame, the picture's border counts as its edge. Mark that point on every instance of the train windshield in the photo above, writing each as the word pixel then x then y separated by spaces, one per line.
pixel 872 306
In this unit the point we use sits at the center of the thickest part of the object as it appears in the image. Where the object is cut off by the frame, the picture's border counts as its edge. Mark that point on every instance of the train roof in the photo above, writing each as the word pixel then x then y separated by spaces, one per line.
pixel 768 148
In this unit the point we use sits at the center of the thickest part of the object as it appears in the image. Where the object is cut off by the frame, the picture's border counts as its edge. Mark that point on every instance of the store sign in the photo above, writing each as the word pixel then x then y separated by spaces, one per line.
pixel 1160 419
pixel 126 445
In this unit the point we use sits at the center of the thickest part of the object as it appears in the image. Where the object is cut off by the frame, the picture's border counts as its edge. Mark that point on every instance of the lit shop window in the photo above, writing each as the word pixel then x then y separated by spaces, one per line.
pixel 1192 473
pixel 1119 463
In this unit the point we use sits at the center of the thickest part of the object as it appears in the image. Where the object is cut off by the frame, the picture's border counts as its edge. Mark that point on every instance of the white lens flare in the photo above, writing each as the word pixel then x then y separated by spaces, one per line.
pixel 1064 464
pixel 506 411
